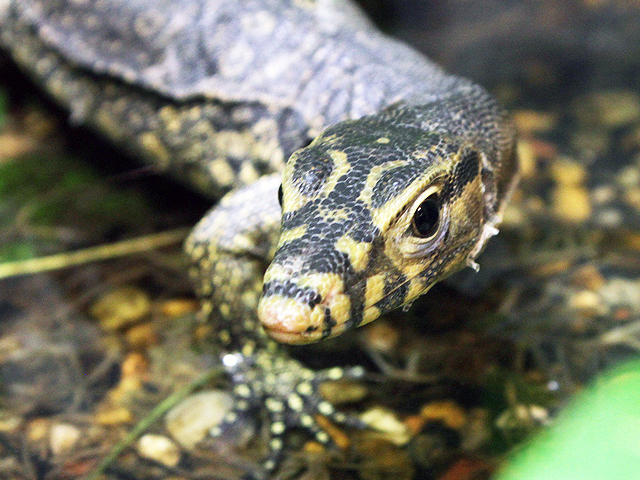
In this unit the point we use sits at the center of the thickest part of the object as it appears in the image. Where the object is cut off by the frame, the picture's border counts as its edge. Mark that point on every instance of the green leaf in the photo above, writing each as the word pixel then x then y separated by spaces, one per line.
pixel 596 438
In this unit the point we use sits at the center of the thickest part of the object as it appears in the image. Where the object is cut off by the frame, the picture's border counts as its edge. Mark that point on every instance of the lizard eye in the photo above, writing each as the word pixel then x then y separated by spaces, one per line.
pixel 426 218
pixel 280 195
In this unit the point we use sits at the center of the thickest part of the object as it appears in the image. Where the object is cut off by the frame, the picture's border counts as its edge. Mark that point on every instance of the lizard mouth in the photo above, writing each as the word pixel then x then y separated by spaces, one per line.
pixel 297 320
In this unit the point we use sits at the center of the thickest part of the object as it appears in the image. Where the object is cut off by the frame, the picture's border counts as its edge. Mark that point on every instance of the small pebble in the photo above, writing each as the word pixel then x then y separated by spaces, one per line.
pixel 179 307
pixel 528 159
pixel 314 448
pixel 190 421
pixel 121 307
pixel 135 365
pixel 38 429
pixel 63 438
pixel 382 336
pixel 632 197
pixel 529 121
pixel 610 218
pixel 134 371
pixel 629 176
pixel 385 421
pixel 142 336
pixel 447 412
pixel 587 304
pixel 603 194
pixel 13 144
pixel 571 203
pixel 114 416
pixel 566 171
pixel 159 449
pixel 10 424
pixel 415 423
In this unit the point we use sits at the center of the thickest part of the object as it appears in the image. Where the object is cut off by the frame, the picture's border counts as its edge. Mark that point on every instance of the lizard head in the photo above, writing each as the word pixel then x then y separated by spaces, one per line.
pixel 374 213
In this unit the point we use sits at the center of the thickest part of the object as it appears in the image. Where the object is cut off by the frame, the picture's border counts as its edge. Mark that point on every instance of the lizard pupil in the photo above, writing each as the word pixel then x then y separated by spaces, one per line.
pixel 280 195
pixel 426 217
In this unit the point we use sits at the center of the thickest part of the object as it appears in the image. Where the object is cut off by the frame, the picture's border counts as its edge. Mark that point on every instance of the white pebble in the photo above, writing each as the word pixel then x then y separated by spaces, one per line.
pixel 63 438
pixel 385 421
pixel 190 420
pixel 159 449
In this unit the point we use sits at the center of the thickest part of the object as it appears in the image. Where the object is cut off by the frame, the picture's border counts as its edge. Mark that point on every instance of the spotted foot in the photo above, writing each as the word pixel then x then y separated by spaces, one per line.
pixel 288 394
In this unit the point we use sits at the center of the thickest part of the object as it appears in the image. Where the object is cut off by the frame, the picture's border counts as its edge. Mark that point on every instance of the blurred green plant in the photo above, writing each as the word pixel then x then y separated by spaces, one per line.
pixel 595 438
pixel 49 202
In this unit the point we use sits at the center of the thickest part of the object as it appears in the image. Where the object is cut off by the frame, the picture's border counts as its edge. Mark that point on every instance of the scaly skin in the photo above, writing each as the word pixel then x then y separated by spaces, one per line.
pixel 404 184
pixel 348 251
